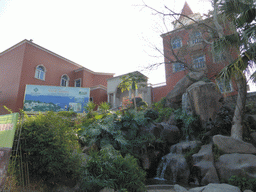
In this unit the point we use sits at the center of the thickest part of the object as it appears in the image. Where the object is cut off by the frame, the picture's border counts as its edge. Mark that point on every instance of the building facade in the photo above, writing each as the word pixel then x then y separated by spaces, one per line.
pixel 28 63
pixel 117 98
pixel 187 48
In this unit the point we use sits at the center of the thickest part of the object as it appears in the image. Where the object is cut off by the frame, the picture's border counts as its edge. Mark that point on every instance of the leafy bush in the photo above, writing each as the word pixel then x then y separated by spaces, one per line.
pixel 104 107
pixel 189 124
pixel 50 146
pixel 151 114
pixel 103 132
pixel 250 107
pixel 131 124
pixel 108 168
pixel 163 112
pixel 243 183
pixel 67 114
pixel 123 132
pixel 140 103
pixel 90 107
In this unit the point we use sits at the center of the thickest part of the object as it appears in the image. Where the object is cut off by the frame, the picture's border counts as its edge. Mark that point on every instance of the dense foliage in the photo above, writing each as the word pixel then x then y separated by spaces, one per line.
pixel 243 183
pixel 49 146
pixel 109 169
pixel 120 131
pixel 163 112
pixel 189 124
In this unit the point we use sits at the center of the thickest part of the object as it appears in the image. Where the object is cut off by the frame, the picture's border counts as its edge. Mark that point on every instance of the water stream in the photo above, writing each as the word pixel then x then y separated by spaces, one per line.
pixel 173 166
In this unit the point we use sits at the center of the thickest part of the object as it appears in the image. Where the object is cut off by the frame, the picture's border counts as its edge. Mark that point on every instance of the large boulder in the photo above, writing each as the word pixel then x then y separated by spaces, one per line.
pixel 204 100
pixel 243 165
pixel 204 160
pixel 170 133
pixel 230 145
pixel 253 137
pixel 178 188
pixel 151 155
pixel 216 187
pixel 184 147
pixel 175 96
pixel 174 168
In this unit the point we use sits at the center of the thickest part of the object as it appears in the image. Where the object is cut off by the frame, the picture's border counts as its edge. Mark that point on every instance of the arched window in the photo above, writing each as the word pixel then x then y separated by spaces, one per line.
pixel 176 43
pixel 64 81
pixel 40 72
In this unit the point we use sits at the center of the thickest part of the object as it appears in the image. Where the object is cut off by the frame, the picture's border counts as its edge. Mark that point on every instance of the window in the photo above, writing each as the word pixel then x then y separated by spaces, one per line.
pixel 225 86
pixel 64 81
pixel 199 62
pixel 78 83
pixel 196 38
pixel 40 72
pixel 176 67
pixel 218 57
pixel 176 43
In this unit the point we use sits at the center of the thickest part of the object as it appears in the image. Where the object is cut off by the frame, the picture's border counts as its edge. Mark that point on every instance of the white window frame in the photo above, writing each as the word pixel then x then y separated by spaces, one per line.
pixel 180 68
pixel 176 41
pixel 199 64
pixel 218 57
pixel 222 88
pixel 67 81
pixel 76 81
pixel 38 72
pixel 196 38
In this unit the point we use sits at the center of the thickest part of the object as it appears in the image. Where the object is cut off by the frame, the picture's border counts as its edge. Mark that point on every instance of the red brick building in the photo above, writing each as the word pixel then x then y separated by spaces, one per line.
pixel 185 48
pixel 29 63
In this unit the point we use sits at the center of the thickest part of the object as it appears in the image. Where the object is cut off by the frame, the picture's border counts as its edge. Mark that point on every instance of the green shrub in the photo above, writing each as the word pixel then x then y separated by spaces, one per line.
pixel 242 182
pixel 123 132
pixel 163 112
pixel 108 168
pixel 250 107
pixel 102 132
pixel 50 146
pixel 67 114
pixel 104 107
pixel 189 124
pixel 151 114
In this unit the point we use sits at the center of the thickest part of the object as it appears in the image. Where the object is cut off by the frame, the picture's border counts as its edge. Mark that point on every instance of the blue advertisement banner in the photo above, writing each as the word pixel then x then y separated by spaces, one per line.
pixel 55 98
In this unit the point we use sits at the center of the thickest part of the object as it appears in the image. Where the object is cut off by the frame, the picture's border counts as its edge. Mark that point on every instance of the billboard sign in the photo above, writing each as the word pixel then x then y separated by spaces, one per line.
pixel 55 98
pixel 7 131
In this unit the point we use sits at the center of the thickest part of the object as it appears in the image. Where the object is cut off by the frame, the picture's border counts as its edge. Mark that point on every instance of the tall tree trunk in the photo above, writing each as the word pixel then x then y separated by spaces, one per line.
pixel 134 101
pixel 237 124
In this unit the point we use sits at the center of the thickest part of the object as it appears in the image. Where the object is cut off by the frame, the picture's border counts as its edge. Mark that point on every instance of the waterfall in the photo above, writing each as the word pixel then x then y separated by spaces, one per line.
pixel 173 166
pixel 162 168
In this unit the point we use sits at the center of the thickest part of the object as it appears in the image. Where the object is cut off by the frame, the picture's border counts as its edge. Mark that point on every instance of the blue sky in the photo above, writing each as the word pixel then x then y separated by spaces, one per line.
pixel 112 36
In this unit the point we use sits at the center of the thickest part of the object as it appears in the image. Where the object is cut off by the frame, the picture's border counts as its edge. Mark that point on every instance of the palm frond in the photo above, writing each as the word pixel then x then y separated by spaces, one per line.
pixel 233 69
pixel 226 43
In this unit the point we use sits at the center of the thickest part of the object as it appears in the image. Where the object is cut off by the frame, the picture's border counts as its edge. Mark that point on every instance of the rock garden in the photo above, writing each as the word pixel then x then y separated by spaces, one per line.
pixel 183 141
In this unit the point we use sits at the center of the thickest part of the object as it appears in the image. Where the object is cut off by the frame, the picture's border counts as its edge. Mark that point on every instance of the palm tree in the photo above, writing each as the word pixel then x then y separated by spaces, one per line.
pixel 242 15
pixel 132 81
